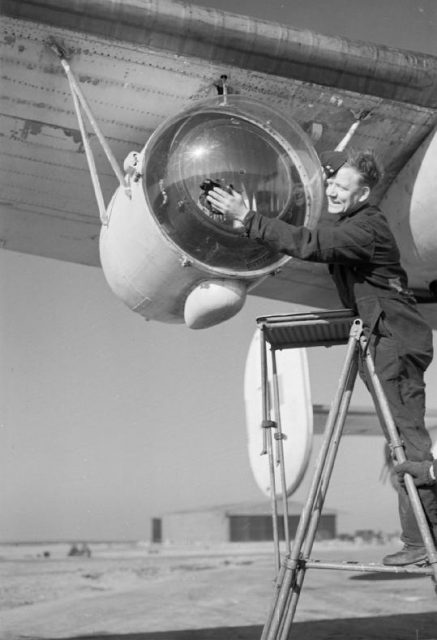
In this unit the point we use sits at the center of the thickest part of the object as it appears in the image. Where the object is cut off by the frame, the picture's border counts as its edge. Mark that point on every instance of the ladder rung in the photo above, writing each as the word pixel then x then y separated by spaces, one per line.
pixel 361 567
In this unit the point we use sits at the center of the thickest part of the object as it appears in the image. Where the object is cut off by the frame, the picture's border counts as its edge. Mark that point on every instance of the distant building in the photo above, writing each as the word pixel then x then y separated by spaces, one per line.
pixel 246 522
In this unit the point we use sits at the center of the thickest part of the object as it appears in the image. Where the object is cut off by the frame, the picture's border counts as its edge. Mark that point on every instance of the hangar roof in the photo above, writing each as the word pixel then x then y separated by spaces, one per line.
pixel 250 509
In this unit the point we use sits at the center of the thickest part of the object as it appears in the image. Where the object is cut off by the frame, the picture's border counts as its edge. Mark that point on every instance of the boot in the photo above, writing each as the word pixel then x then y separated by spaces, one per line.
pixel 407 555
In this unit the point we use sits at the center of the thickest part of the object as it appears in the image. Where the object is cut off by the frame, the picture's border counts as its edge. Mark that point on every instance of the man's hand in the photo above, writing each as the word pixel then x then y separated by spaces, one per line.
pixel 420 472
pixel 231 205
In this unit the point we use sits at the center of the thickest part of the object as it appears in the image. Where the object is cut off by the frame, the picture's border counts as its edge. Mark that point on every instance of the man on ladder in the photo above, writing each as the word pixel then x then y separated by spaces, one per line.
pixel 364 262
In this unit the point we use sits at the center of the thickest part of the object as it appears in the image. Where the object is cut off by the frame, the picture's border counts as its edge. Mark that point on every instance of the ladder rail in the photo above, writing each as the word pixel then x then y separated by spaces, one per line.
pixel 279 458
pixel 329 430
pixel 397 446
pixel 317 510
pixel 268 443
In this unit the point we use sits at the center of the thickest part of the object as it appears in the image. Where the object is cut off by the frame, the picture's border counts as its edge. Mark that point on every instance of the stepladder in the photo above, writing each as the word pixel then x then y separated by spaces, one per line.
pixel 326 329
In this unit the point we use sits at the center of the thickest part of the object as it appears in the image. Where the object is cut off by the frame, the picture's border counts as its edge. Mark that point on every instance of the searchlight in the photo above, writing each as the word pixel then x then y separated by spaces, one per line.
pixel 164 251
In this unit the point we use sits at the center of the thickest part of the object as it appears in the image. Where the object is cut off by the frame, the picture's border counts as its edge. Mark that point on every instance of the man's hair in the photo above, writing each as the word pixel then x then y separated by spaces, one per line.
pixel 367 165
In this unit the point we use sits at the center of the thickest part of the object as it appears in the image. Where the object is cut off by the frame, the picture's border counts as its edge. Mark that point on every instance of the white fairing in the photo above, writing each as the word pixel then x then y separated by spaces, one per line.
pixel 410 205
pixel 164 251
pixel 141 267
pixel 296 416
pixel 433 434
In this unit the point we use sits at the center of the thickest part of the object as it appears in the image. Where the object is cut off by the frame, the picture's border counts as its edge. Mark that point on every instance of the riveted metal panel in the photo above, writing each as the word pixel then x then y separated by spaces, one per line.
pixel 137 64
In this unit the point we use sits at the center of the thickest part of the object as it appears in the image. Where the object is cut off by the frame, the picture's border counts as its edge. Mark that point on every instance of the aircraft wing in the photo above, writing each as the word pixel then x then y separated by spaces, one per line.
pixel 139 62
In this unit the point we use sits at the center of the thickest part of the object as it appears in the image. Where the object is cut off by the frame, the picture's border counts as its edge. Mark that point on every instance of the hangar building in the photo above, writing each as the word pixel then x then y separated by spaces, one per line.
pixel 246 522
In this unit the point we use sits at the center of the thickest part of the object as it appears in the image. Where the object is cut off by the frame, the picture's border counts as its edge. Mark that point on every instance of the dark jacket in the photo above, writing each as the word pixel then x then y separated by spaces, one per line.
pixel 364 262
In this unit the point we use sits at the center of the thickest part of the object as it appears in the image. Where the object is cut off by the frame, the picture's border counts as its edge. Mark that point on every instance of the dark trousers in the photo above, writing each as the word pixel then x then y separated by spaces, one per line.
pixel 400 366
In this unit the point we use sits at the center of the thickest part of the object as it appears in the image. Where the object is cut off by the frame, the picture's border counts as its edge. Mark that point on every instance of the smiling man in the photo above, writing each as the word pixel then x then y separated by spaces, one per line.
pixel 364 262
pixel 346 189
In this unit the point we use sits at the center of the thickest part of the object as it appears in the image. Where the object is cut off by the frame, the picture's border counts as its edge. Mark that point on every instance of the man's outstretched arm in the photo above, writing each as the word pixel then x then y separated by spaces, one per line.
pixel 349 244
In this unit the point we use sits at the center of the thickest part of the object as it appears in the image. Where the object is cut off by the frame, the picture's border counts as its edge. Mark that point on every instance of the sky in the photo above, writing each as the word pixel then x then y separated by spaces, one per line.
pixel 108 420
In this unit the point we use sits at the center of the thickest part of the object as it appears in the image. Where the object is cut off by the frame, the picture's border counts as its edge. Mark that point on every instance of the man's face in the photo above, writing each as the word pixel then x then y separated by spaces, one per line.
pixel 345 191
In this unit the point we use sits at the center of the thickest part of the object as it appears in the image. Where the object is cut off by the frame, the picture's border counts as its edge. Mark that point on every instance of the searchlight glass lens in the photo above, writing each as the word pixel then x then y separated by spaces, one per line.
pixel 232 152
pixel 243 145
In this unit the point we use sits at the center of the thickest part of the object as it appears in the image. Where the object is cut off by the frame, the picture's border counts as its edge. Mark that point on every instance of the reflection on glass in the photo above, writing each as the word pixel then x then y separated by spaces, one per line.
pixel 228 149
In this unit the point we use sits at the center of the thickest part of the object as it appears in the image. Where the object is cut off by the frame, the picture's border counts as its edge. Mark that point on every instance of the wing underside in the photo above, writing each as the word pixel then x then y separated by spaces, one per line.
pixel 139 63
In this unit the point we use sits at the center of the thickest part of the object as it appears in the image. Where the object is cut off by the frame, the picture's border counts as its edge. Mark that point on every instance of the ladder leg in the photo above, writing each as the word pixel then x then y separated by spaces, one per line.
pixel 320 499
pixel 385 415
pixel 267 449
pixel 280 462
pixel 293 569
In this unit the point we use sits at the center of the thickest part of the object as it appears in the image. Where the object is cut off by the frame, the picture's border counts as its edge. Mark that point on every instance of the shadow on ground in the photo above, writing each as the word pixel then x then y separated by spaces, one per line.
pixel 380 575
pixel 421 626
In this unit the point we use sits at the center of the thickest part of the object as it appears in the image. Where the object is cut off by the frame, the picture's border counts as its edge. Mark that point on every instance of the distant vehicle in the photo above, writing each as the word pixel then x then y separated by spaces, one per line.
pixel 81 550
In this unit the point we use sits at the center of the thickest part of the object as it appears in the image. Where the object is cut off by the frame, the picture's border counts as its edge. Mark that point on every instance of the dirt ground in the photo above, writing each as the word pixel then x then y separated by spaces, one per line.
pixel 134 592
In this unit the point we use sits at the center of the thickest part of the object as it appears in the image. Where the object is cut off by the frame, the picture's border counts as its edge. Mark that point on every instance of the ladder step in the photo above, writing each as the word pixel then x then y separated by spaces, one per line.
pixel 367 568
pixel 321 328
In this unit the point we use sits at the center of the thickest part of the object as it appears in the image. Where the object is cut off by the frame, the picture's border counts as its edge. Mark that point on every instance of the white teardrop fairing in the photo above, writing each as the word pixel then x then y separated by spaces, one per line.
pixel 164 241
pixel 295 415
pixel 410 205
pixel 213 301
pixel 433 434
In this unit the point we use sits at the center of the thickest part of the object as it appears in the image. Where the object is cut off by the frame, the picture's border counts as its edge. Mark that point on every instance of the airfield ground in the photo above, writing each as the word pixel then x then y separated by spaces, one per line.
pixel 137 592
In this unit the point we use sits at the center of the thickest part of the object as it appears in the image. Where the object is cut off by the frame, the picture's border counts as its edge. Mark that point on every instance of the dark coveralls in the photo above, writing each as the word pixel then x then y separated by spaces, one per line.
pixel 364 262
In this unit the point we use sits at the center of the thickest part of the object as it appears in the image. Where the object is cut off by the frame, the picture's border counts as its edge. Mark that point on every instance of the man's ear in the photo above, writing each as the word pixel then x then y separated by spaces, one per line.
pixel 365 193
